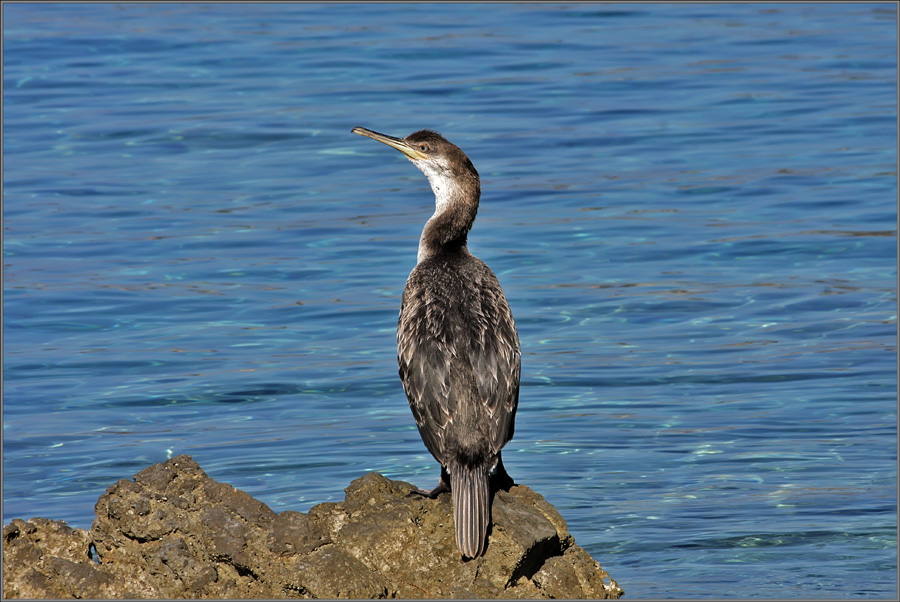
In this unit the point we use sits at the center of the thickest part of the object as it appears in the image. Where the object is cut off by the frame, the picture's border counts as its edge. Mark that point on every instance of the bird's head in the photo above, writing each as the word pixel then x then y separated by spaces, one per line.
pixel 433 154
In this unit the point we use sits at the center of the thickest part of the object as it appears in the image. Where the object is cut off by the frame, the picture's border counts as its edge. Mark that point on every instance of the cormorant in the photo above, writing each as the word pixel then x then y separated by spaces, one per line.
pixel 457 344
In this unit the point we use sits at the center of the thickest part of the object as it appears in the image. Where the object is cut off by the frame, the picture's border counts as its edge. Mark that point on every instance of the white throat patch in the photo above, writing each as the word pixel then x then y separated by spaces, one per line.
pixel 444 188
pixel 441 183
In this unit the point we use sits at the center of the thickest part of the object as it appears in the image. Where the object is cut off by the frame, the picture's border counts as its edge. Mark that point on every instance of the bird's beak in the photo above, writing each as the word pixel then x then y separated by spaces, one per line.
pixel 398 143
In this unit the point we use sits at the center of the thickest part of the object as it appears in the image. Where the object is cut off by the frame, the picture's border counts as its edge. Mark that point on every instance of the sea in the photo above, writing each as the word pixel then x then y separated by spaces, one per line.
pixel 692 209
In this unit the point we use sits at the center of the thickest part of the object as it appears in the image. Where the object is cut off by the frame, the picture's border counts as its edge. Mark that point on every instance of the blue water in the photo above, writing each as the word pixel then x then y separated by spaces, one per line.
pixel 691 207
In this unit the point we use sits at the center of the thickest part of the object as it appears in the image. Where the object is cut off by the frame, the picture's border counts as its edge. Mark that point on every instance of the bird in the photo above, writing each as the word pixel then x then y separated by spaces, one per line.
pixel 457 344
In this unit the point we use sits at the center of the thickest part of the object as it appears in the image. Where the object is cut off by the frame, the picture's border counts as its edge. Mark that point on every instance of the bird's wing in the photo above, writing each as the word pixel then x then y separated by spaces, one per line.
pixel 454 352
pixel 424 365
pixel 496 359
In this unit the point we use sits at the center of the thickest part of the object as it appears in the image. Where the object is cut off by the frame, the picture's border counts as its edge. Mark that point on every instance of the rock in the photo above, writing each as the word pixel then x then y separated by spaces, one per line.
pixel 173 532
pixel 47 559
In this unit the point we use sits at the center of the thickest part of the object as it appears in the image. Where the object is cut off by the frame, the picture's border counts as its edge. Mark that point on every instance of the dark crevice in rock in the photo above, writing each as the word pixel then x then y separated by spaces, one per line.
pixel 92 553
pixel 534 559
pixel 245 571
pixel 299 589
pixel 139 539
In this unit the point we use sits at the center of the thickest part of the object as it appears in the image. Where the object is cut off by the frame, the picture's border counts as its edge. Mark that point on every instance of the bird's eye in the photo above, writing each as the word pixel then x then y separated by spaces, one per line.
pixel 423 147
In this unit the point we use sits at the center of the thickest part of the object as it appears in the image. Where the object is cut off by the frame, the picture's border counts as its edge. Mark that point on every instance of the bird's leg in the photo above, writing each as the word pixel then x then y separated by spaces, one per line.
pixel 500 479
pixel 442 486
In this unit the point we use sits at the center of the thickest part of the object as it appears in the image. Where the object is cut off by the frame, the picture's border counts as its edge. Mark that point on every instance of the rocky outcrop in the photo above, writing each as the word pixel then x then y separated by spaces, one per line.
pixel 172 532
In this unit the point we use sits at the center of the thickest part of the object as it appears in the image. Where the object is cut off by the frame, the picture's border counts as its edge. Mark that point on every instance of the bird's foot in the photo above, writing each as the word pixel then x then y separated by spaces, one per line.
pixel 432 494
pixel 500 479
pixel 442 486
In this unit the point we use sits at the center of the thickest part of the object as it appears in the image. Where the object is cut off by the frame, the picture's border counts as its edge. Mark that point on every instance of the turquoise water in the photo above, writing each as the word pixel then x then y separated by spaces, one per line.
pixel 692 209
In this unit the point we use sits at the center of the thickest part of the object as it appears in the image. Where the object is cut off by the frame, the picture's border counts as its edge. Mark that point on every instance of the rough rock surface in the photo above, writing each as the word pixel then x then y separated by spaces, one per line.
pixel 172 532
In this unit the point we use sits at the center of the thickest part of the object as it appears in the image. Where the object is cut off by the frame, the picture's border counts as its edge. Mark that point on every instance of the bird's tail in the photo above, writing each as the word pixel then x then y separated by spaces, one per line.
pixel 471 508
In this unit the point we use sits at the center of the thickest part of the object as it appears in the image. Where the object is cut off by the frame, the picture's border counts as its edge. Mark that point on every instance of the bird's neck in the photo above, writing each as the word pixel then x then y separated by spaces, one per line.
pixel 455 207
